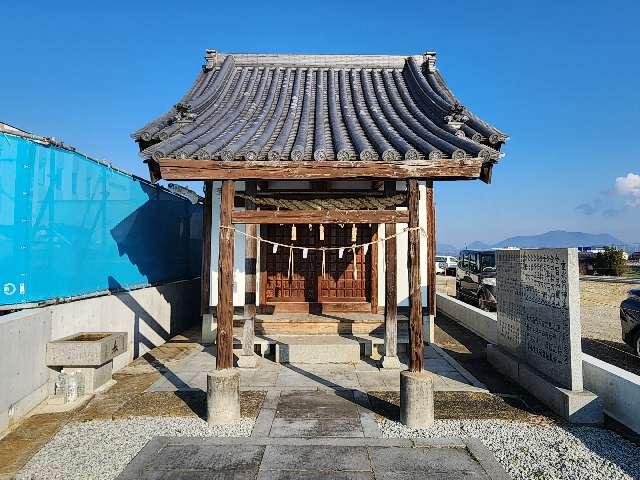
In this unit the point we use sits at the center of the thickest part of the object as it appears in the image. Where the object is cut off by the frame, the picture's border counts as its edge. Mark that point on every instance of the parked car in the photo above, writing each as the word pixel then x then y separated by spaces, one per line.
pixel 476 278
pixel 630 319
pixel 446 264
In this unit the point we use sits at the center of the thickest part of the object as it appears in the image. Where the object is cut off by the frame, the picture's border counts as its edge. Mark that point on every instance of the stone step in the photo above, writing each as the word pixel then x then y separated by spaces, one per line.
pixel 309 324
pixel 317 349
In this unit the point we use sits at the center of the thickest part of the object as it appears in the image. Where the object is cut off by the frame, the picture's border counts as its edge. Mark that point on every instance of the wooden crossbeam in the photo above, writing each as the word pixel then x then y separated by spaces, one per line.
pixel 319 216
pixel 191 169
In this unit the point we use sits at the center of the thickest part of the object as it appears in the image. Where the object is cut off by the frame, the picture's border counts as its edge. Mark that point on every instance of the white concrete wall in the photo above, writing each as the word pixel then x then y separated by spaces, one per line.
pixel 483 324
pixel 618 388
pixel 149 315
pixel 239 257
pixel 24 376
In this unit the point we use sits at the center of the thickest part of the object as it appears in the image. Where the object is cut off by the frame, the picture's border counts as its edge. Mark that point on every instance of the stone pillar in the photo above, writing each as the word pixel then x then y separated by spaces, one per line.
pixel 431 263
pixel 248 359
pixel 208 323
pixel 416 399
pixel 223 396
pixel 390 359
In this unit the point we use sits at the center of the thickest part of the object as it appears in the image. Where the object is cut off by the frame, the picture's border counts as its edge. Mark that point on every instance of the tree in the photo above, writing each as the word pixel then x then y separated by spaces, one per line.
pixel 611 262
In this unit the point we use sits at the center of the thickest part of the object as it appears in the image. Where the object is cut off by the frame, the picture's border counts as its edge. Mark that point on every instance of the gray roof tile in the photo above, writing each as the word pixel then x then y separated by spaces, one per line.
pixel 319 107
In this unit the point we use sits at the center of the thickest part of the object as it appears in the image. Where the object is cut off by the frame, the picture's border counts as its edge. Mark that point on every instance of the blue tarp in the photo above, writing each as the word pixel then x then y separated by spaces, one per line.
pixel 70 226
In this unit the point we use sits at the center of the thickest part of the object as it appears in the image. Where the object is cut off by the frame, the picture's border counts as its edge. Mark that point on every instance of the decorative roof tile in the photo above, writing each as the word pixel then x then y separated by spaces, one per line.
pixel 319 107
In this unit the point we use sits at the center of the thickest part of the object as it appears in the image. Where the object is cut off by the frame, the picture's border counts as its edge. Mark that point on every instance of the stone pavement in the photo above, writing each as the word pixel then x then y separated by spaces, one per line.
pixel 313 434
pixel 190 374
pixel 294 458
pixel 316 421
pixel 303 403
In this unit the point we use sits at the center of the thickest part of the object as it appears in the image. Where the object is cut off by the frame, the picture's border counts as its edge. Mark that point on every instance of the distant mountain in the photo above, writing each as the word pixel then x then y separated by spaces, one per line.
pixel 553 239
pixel 446 249
pixel 558 239
pixel 478 246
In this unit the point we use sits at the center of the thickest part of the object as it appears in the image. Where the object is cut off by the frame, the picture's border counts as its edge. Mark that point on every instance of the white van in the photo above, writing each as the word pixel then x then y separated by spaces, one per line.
pixel 446 265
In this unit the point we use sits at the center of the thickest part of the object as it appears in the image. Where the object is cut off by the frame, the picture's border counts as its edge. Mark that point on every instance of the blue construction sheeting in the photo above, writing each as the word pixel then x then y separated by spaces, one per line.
pixel 71 226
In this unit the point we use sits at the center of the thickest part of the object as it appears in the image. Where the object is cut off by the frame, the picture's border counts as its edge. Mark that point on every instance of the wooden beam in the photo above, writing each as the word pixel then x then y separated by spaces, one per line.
pixel 205 272
pixel 416 345
pixel 431 248
pixel 390 288
pixel 319 216
pixel 224 341
pixel 191 169
pixel 250 264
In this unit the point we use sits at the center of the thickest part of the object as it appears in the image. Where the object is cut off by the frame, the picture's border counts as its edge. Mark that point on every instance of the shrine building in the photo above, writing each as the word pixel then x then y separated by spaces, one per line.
pixel 319 176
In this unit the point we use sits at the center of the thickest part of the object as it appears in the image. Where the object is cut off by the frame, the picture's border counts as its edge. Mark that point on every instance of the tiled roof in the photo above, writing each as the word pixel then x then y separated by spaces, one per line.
pixel 319 107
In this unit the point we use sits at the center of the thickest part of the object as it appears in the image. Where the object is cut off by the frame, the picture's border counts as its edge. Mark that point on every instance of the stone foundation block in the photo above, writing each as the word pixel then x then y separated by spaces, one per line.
pixel 223 396
pixel 428 328
pixel 581 406
pixel 318 349
pixel 503 362
pixel 392 363
pixel 416 399
pixel 247 361
pixel 94 377
pixel 209 329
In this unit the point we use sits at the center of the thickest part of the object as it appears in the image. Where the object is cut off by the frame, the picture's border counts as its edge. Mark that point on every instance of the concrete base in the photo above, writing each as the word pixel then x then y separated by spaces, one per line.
pixel 317 349
pixel 575 406
pixel 392 363
pixel 416 399
pixel 373 351
pixel 223 396
pixel 94 377
pixel 428 328
pixel 209 329
pixel 247 361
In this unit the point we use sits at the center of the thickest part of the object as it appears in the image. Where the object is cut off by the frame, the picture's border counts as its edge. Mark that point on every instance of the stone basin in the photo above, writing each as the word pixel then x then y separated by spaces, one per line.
pixel 86 349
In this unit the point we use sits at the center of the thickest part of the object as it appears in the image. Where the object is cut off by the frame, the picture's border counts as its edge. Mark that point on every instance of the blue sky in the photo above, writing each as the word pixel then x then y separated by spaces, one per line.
pixel 561 78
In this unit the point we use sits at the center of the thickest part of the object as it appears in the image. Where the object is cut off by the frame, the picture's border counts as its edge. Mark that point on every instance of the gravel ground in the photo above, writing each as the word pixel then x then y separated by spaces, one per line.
pixel 101 449
pixel 538 451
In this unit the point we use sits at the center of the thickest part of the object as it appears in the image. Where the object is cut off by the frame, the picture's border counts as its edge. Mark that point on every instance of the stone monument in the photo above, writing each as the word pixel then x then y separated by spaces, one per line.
pixel 539 332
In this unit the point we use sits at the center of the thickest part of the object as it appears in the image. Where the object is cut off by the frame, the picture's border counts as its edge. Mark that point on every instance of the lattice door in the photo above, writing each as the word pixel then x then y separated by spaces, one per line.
pixel 306 283
pixel 339 283
pixel 302 285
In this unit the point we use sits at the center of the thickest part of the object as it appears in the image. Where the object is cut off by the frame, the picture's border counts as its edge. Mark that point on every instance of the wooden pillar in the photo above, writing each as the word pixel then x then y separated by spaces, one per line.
pixel 224 340
pixel 390 285
pixel 205 272
pixel 416 345
pixel 431 249
pixel 250 264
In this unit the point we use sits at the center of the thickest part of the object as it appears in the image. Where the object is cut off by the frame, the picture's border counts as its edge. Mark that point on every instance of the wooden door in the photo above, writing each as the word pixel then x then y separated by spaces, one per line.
pixel 339 283
pixel 306 283
pixel 301 285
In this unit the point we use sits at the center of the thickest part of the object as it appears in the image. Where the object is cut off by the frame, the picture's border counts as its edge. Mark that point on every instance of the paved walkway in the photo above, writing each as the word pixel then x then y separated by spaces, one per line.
pixel 293 458
pixel 315 422
pixel 190 374
pixel 313 434
pixel 322 409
